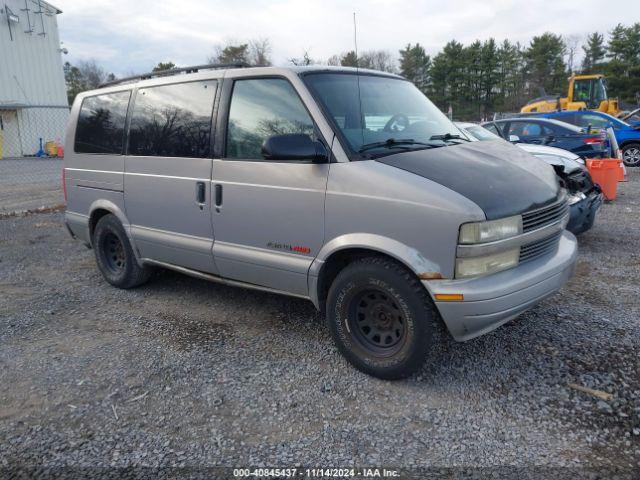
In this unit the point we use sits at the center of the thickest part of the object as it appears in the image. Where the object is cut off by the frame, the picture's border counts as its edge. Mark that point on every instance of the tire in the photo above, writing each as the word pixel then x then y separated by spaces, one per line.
pixel 114 255
pixel 381 318
pixel 631 155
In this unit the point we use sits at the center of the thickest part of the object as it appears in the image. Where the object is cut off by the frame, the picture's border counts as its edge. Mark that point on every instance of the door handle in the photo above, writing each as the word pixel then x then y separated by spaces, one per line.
pixel 218 194
pixel 201 190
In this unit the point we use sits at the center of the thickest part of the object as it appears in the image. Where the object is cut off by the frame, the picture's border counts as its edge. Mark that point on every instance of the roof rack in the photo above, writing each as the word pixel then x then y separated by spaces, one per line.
pixel 174 71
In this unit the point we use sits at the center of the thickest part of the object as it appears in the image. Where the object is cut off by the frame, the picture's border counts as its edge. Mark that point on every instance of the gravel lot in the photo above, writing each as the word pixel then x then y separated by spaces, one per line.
pixel 182 372
pixel 29 184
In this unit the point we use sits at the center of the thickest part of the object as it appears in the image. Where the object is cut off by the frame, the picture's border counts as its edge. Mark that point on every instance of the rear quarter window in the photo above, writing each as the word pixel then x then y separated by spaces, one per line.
pixel 594 120
pixel 100 127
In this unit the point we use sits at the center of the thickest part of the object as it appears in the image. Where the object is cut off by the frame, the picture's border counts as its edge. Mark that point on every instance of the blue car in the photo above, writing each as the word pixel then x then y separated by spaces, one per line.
pixel 552 133
pixel 627 135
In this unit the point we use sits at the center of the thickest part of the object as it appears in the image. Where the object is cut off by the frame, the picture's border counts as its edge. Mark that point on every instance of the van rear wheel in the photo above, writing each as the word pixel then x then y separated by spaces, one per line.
pixel 115 256
pixel 381 318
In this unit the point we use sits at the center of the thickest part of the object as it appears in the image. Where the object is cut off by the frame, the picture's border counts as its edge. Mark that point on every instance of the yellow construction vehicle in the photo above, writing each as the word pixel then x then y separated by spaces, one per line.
pixel 586 92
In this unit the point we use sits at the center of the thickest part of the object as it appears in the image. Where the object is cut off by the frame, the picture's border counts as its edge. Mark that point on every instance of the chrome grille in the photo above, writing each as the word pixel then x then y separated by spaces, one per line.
pixel 536 249
pixel 541 217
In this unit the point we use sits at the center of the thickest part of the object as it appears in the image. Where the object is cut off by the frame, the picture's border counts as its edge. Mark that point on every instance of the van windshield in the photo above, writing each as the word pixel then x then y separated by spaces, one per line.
pixel 382 114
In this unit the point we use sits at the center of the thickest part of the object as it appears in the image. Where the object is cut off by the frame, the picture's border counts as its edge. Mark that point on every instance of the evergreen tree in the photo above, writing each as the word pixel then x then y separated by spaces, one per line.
pixel 489 79
pixel 163 66
pixel 484 77
pixel 471 89
pixel 415 65
pixel 74 80
pixel 623 68
pixel 617 47
pixel 511 75
pixel 447 77
pixel 594 51
pixel 349 59
pixel 545 63
pixel 633 45
pixel 231 54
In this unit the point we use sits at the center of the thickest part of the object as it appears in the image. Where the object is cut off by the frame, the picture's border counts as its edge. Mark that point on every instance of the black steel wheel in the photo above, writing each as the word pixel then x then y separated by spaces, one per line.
pixel 381 317
pixel 115 256
pixel 377 322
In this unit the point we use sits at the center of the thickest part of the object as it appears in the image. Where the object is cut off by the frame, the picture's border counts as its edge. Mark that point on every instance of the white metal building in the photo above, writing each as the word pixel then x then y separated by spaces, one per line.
pixel 33 99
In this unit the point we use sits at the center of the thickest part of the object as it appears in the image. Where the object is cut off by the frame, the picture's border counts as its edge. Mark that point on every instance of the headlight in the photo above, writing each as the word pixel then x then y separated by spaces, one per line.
pixel 576 197
pixel 482 232
pixel 473 266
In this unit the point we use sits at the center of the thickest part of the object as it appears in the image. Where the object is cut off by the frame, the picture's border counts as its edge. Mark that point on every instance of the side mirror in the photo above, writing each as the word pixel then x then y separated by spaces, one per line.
pixel 294 146
pixel 514 138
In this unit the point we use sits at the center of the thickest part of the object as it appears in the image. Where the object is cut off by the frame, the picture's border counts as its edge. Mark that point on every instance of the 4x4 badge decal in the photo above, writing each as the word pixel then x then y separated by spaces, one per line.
pixel 289 247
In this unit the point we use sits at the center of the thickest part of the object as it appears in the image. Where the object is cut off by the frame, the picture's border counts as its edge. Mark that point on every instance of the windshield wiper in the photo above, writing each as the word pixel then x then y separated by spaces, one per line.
pixel 393 142
pixel 448 136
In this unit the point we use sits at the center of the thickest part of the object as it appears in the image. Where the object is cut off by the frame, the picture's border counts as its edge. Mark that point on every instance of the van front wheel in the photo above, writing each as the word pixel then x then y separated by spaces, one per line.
pixel 114 255
pixel 381 317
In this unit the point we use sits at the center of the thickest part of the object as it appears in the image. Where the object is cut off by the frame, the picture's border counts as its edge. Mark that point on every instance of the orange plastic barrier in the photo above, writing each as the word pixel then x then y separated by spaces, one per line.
pixel 621 173
pixel 605 172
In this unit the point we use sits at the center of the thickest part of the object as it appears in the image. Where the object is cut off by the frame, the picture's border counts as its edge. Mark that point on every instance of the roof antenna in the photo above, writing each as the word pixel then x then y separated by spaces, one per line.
pixel 355 42
pixel 355 37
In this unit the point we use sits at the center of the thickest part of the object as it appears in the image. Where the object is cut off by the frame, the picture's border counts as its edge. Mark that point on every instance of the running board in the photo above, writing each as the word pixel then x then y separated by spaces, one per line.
pixel 216 279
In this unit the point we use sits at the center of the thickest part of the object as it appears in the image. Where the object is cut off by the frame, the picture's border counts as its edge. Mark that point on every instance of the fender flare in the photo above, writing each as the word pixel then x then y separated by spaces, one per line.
pixel 410 257
pixel 103 204
pixel 624 143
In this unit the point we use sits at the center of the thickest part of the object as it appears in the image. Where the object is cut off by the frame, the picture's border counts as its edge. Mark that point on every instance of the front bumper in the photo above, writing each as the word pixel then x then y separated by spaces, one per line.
pixel 583 213
pixel 495 299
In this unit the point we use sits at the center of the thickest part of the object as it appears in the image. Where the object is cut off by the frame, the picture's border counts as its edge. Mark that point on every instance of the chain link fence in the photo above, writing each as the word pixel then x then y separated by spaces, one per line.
pixel 31 152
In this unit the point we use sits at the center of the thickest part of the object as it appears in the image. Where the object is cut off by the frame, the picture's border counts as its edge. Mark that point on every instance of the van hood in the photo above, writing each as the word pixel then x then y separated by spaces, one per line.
pixel 501 179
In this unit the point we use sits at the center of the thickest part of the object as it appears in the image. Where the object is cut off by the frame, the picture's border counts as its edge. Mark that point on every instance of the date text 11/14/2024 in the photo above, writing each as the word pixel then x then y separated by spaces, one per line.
pixel 315 473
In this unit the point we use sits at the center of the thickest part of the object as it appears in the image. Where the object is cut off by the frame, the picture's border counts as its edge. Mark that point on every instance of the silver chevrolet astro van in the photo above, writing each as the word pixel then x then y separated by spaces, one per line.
pixel 345 187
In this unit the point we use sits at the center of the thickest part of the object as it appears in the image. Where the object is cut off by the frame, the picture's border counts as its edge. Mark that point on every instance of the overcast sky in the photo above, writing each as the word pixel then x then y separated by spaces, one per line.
pixel 127 36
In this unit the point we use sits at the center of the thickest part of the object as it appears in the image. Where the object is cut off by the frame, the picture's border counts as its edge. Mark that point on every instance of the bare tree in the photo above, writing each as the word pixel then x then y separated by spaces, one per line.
pixel 373 59
pixel 260 52
pixel 334 61
pixel 93 74
pixel 572 42
pixel 304 60
pixel 377 60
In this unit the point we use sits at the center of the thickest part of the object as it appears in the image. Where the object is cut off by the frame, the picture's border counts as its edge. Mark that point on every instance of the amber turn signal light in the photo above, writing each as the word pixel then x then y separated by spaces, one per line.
pixel 449 297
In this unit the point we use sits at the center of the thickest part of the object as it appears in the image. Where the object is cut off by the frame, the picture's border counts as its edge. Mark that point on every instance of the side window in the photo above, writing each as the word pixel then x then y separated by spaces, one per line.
pixel 173 120
pixel 525 129
pixel 593 120
pixel 259 109
pixel 548 130
pixel 493 129
pixel 100 127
